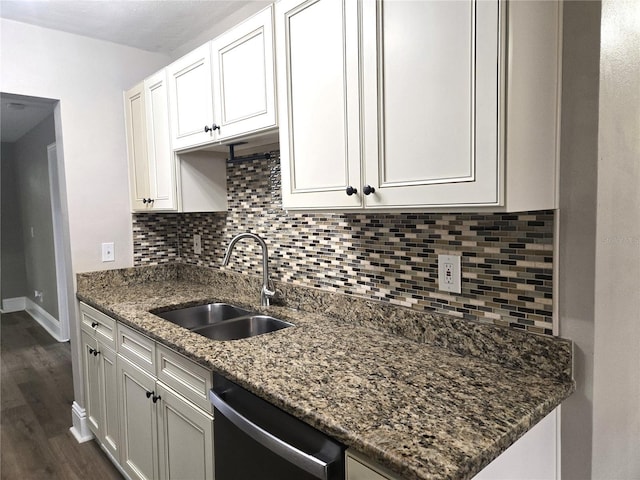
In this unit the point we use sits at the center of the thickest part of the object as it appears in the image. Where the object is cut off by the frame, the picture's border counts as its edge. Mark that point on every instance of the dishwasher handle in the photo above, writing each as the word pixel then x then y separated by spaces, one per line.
pixel 310 464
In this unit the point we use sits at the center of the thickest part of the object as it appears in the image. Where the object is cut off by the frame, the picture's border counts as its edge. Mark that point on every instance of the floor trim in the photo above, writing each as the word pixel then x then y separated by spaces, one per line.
pixel 45 319
pixel 80 428
pixel 10 305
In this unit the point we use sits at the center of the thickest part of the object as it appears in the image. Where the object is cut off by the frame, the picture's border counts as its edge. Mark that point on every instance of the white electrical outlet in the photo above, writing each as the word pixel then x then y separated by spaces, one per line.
pixel 449 273
pixel 197 244
pixel 108 254
pixel 38 295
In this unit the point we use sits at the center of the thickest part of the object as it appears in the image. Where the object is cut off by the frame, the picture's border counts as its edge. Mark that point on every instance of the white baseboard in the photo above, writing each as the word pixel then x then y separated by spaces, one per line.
pixel 45 319
pixel 80 428
pixel 10 305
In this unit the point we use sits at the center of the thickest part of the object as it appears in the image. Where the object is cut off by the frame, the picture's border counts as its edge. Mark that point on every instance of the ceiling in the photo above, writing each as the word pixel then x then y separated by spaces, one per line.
pixel 19 114
pixel 154 25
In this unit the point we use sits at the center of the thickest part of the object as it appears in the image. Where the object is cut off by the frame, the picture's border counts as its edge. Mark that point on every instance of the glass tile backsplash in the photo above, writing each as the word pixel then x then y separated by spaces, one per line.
pixel 507 259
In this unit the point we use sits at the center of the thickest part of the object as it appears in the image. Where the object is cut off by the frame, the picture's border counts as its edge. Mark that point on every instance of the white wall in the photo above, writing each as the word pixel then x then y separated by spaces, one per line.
pixel 616 399
pixel 13 282
pixel 599 254
pixel 88 77
pixel 577 231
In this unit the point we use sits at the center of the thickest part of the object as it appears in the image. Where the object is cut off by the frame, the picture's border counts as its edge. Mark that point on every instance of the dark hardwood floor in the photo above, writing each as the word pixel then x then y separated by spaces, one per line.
pixel 35 408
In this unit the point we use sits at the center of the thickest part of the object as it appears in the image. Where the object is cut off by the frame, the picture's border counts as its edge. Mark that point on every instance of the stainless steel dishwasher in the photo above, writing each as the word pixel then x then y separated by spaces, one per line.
pixel 256 440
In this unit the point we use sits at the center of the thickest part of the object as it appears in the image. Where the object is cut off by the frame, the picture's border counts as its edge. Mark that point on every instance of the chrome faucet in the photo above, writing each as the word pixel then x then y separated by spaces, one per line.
pixel 266 293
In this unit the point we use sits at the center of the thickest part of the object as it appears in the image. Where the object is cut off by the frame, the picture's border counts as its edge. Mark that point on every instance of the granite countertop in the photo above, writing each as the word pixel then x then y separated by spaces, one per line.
pixel 422 410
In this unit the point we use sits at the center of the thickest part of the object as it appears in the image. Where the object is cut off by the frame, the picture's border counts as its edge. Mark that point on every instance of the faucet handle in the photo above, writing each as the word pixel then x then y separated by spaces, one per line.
pixel 266 294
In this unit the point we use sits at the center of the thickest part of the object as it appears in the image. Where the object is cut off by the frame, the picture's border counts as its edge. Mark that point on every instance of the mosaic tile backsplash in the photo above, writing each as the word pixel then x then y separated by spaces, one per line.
pixel 507 259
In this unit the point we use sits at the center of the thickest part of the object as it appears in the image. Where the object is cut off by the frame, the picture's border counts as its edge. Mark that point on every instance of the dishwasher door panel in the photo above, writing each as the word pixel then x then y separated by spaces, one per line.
pixel 254 439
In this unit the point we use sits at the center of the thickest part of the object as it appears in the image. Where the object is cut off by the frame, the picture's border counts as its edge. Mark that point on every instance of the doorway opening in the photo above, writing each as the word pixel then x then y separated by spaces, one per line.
pixel 35 266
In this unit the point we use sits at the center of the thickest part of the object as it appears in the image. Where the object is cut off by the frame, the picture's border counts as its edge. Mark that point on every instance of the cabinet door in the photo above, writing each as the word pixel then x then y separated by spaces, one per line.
pixel 186 438
pixel 138 425
pixel 109 399
pixel 161 159
pixel 243 77
pixel 318 96
pixel 91 374
pixel 190 99
pixel 431 82
pixel 137 147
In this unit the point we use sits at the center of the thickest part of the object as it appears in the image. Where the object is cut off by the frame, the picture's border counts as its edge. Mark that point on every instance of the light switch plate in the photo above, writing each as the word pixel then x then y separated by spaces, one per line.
pixel 449 274
pixel 108 254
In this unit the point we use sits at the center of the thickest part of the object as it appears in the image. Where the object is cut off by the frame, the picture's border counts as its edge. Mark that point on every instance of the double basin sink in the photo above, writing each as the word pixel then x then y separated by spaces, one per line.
pixel 221 321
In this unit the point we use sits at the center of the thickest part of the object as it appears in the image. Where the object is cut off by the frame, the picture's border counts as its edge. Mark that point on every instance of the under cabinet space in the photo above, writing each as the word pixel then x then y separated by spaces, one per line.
pixel 202 182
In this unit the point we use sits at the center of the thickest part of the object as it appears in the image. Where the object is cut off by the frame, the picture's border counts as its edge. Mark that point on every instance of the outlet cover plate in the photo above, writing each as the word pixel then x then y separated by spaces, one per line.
pixel 449 274
pixel 108 254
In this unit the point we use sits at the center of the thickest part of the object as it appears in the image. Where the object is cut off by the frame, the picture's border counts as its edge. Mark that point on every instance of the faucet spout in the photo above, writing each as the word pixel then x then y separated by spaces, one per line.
pixel 266 292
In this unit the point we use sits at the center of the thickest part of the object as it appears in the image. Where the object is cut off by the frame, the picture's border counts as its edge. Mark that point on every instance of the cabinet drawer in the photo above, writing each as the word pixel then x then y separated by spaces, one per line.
pixel 137 348
pixel 98 325
pixel 185 377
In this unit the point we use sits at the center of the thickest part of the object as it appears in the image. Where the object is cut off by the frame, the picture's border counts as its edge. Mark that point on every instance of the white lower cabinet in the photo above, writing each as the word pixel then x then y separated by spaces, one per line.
pixel 531 457
pixel 360 467
pixel 100 380
pixel 146 404
pixel 148 407
pixel 138 422
pixel 534 456
pixel 164 435
pixel 185 435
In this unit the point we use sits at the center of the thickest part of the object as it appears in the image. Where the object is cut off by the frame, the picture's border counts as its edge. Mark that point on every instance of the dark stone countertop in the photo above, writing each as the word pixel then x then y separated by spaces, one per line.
pixel 422 410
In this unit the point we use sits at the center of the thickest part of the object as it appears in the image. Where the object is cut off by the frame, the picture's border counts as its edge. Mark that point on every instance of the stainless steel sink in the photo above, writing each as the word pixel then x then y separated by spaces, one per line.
pixel 243 327
pixel 203 315
pixel 221 321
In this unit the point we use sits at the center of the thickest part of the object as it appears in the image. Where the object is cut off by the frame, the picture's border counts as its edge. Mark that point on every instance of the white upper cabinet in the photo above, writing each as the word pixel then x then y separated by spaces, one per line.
pixel 151 159
pixel 137 146
pixel 191 100
pixel 160 179
pixel 243 77
pixel 225 88
pixel 159 152
pixel 318 91
pixel 418 105
pixel 430 102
